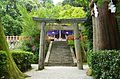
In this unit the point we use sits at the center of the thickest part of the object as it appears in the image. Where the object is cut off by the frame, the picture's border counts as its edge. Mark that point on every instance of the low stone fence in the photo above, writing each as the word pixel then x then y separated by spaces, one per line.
pixel 17 38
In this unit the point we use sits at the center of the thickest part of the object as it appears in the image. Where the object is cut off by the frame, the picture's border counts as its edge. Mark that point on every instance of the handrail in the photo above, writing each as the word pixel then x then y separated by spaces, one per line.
pixel 48 53
pixel 73 55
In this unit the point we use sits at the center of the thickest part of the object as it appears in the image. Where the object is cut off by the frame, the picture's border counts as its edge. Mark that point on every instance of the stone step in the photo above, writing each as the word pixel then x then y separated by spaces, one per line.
pixel 60 64
pixel 60 54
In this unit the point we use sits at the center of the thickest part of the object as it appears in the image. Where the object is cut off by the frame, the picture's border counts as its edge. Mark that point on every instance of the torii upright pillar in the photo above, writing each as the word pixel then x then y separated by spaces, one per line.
pixel 77 46
pixel 42 47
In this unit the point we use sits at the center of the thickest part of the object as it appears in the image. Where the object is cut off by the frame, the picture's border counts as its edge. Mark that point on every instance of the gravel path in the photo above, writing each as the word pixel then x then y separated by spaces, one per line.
pixel 58 72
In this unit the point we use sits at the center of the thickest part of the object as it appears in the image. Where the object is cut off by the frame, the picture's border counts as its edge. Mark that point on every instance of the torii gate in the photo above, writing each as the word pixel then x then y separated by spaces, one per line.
pixel 74 23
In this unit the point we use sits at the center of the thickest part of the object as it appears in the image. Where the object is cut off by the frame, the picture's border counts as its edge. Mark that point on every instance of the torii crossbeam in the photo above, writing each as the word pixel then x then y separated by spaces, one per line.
pixel 47 20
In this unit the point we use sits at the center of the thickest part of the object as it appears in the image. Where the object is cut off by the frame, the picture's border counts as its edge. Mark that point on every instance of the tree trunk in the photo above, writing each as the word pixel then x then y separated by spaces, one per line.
pixel 105 31
pixel 13 71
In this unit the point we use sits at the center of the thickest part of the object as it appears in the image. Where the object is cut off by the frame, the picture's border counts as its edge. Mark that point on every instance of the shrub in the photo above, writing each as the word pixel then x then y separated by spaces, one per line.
pixel 105 64
pixel 71 42
pixel 36 54
pixel 3 65
pixel 22 59
pixel 26 45
pixel 89 57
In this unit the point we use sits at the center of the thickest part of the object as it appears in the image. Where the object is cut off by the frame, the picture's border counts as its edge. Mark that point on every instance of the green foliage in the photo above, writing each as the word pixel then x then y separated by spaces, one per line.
pixel 17 15
pixel 3 65
pixel 11 26
pixel 71 2
pixel 77 3
pixel 89 72
pixel 29 26
pixel 24 45
pixel 105 64
pixel 88 33
pixel 118 9
pixel 71 43
pixel 10 17
pixel 59 11
pixel 25 10
pixel 100 2
pixel 83 2
pixel 23 59
pixel 45 12
pixel 89 58
pixel 43 2
pixel 68 11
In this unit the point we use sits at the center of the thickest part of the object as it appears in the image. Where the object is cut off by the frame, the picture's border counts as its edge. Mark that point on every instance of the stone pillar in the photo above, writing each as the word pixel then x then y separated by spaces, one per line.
pixel 42 47
pixel 60 38
pixel 77 46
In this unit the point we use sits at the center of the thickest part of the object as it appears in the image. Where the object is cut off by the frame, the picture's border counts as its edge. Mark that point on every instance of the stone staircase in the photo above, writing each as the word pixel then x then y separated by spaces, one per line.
pixel 60 54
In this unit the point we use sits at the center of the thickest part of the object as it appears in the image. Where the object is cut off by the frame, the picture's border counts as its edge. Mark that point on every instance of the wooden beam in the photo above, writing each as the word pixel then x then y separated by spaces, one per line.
pixel 42 47
pixel 47 20
pixel 77 46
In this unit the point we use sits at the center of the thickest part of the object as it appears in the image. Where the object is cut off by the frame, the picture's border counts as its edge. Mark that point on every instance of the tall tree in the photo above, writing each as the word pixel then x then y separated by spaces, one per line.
pixel 71 2
pixel 77 3
pixel 10 17
pixel 13 71
pixel 105 31
pixel 43 2
pixel 68 11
